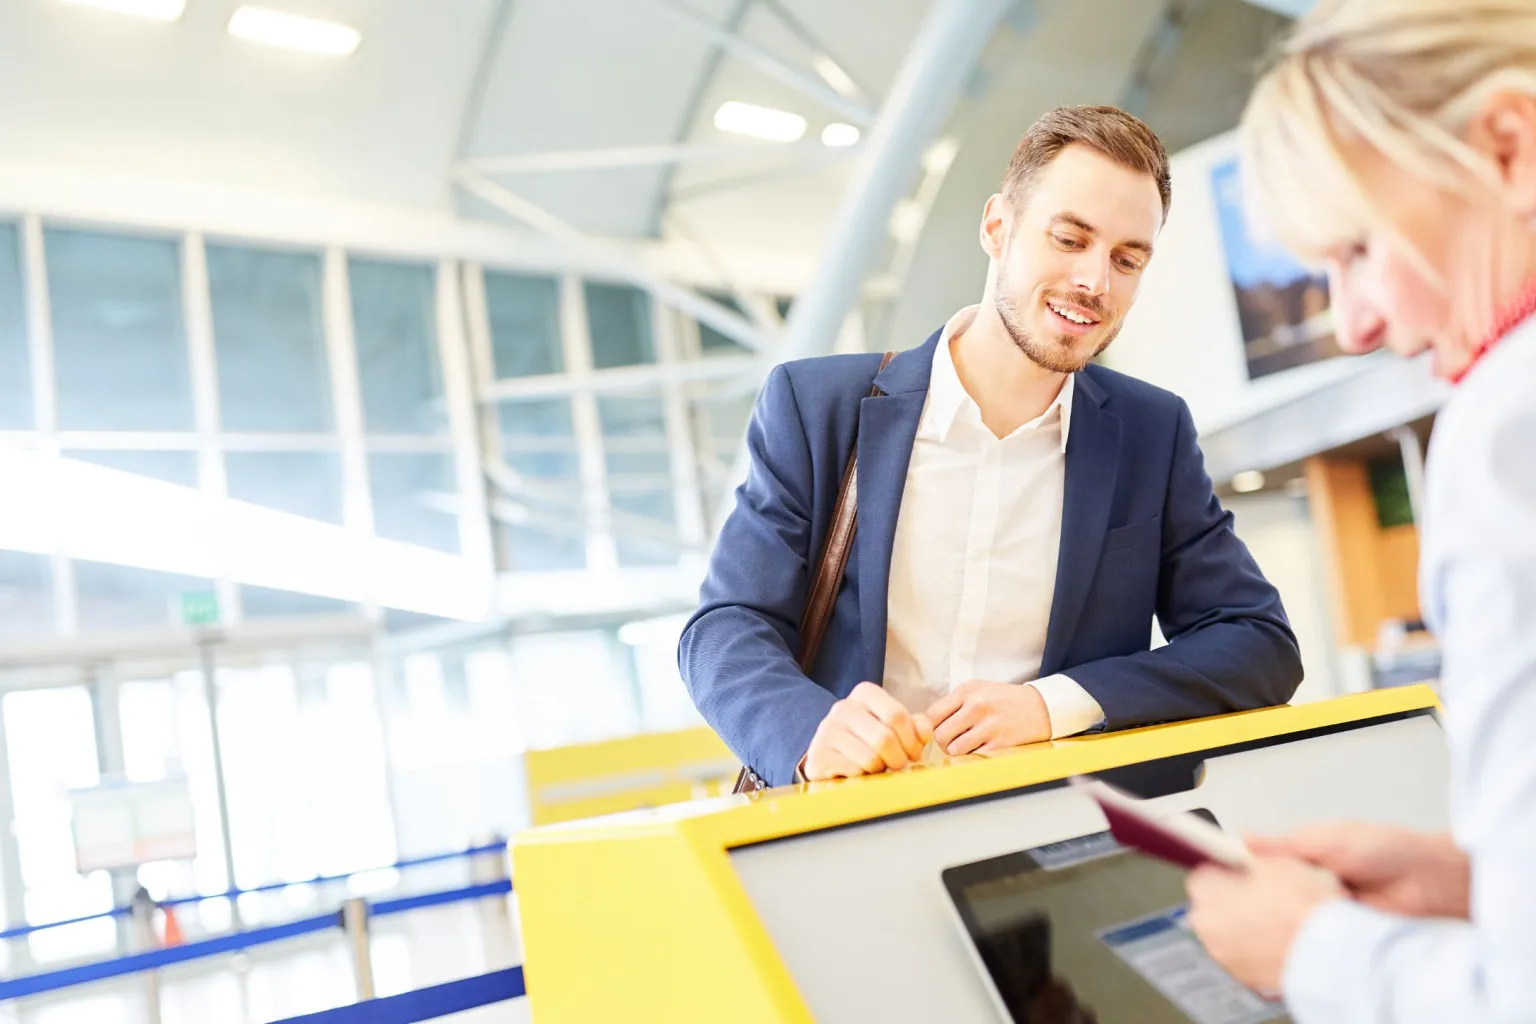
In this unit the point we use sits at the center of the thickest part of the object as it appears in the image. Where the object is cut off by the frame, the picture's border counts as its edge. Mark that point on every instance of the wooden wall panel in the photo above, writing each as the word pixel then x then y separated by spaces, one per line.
pixel 1371 572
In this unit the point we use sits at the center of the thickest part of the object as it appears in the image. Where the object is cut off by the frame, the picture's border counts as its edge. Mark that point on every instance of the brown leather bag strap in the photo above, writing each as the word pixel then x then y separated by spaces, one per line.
pixel 834 556
pixel 828 579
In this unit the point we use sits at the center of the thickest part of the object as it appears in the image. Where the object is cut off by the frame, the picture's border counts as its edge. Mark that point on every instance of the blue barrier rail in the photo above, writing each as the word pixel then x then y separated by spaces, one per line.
pixel 401 904
pixel 497 847
pixel 425 1003
pixel 415 862
pixel 25 930
pixel 35 984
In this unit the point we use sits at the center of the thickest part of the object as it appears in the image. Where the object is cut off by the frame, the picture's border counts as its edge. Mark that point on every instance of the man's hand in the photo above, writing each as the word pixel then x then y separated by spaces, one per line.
pixel 1248 919
pixel 866 732
pixel 1391 869
pixel 979 715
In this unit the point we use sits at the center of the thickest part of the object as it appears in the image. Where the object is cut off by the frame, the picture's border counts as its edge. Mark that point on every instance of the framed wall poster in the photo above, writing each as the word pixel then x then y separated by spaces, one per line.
pixel 1281 305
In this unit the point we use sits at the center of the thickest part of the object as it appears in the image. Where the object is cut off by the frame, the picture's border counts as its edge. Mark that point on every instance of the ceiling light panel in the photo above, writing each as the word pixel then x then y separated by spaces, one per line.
pixel 759 122
pixel 293 32
pixel 156 10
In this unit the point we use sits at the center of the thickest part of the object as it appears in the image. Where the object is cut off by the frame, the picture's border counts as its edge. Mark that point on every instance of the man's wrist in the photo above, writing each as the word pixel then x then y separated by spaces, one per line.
pixel 1070 709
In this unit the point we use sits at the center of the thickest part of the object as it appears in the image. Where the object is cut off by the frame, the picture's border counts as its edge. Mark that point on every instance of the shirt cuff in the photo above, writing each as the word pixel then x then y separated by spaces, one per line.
pixel 1326 970
pixel 1071 709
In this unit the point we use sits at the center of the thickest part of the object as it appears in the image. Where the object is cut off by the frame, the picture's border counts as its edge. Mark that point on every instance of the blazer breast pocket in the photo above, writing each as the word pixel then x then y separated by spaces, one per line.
pixel 1134 535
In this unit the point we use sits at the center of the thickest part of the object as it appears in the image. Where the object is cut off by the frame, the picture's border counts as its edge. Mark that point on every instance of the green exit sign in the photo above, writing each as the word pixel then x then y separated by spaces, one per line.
pixel 199 608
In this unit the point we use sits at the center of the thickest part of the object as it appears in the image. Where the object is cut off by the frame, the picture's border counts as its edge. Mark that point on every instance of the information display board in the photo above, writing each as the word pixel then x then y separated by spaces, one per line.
pixel 125 824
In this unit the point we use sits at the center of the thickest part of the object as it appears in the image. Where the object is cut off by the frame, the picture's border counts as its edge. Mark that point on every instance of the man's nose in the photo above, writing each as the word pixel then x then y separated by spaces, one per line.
pixel 1091 274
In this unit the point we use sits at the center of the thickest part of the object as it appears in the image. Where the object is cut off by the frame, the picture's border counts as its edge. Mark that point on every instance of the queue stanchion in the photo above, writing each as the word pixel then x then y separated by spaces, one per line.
pixel 489 864
pixel 354 921
pixel 142 918
pixel 492 864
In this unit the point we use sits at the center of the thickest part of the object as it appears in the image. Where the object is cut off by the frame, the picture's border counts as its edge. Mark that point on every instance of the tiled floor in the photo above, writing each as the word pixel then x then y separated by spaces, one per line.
pixel 313 972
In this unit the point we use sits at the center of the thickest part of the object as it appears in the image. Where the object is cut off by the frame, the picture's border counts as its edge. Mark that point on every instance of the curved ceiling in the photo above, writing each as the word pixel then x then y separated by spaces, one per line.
pixel 434 83
pixel 587 74
pixel 185 100
pixel 430 84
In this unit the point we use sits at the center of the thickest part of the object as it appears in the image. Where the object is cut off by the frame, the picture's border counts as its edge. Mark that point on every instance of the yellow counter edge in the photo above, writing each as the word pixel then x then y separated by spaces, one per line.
pixel 651 905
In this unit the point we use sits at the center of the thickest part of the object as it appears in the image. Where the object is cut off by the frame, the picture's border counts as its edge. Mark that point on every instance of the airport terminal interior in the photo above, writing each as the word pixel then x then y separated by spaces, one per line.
pixel 374 380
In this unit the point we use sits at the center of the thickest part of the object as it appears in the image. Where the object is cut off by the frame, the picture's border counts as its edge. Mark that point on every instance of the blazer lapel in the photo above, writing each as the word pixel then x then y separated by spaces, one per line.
pixel 1093 460
pixel 887 429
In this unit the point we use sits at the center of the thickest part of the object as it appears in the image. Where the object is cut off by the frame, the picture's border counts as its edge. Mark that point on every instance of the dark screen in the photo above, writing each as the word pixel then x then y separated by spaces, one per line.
pixel 1085 931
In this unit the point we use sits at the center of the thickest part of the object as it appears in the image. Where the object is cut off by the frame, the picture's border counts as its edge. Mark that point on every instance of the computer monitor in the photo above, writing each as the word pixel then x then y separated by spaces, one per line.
pixel 1088 932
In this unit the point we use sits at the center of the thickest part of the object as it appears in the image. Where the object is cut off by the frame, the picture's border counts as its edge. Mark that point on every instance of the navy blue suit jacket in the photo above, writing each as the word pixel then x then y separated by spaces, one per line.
pixel 1142 535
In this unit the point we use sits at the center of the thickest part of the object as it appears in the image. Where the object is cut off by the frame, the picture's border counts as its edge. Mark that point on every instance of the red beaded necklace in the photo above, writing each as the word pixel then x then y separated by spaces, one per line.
pixel 1514 314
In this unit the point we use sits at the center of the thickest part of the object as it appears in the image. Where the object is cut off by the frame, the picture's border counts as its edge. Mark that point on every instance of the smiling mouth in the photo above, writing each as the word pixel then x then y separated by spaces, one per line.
pixel 1074 315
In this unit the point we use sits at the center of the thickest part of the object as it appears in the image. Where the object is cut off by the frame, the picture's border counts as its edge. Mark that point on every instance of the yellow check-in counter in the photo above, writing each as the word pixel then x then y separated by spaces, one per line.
pixel 588 779
pixel 872 899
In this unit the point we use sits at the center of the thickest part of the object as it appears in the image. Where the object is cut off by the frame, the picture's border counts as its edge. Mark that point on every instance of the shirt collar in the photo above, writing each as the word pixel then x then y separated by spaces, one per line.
pixel 947 396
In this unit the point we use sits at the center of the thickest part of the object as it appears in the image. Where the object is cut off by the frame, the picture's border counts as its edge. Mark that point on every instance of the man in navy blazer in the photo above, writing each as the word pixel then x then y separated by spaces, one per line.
pixel 1022 512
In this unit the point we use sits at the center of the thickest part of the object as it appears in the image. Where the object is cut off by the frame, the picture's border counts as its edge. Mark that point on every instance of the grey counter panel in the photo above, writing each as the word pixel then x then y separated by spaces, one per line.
pixel 863 923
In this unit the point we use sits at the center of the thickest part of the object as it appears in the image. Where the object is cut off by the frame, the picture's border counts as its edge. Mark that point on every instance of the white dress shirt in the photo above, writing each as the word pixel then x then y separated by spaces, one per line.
pixel 1478 587
pixel 973 571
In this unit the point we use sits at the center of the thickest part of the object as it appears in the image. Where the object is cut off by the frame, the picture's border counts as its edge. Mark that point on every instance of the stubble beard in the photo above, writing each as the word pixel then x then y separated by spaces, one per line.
pixel 1060 357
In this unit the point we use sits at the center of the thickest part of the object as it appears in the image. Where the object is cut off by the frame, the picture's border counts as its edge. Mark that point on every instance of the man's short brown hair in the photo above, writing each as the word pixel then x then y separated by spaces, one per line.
pixel 1120 136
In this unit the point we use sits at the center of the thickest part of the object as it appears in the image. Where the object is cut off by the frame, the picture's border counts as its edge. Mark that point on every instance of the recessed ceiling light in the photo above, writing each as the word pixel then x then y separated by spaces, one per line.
pixel 294 32
pixel 907 218
pixel 759 122
pixel 1248 481
pixel 938 157
pixel 839 134
pixel 832 73
pixel 159 10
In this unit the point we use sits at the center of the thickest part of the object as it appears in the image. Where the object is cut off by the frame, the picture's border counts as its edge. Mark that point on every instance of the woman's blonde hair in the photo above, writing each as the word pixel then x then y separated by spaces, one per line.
pixel 1400 76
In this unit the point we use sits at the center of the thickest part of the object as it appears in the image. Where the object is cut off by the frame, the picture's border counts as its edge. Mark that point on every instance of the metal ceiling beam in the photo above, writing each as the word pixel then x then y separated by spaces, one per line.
pixel 516 512
pixel 1289 8
pixel 512 513
pixel 179 642
pixel 690 112
pixel 485 61
pixel 613 157
pixel 516 487
pixel 621 379
pixel 753 305
pixel 657 533
pixel 808 39
pixel 828 156
pixel 1157 51
pixel 803 82
pixel 942 55
pixel 726 321
pixel 932 75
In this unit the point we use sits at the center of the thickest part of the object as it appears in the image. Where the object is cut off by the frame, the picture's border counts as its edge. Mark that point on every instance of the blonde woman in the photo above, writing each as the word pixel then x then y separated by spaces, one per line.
pixel 1395 142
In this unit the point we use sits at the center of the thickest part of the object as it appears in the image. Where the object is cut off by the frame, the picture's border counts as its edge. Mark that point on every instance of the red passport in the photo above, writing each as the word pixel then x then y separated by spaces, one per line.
pixel 1180 837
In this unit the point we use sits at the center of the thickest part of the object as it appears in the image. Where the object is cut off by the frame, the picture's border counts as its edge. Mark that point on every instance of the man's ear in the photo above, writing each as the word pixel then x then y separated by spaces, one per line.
pixel 994 226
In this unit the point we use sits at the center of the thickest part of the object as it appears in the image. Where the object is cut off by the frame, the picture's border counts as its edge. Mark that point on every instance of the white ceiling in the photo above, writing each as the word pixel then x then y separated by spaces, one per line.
pixel 435 81
pixel 579 74
pixel 790 211
pixel 582 74
pixel 185 100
